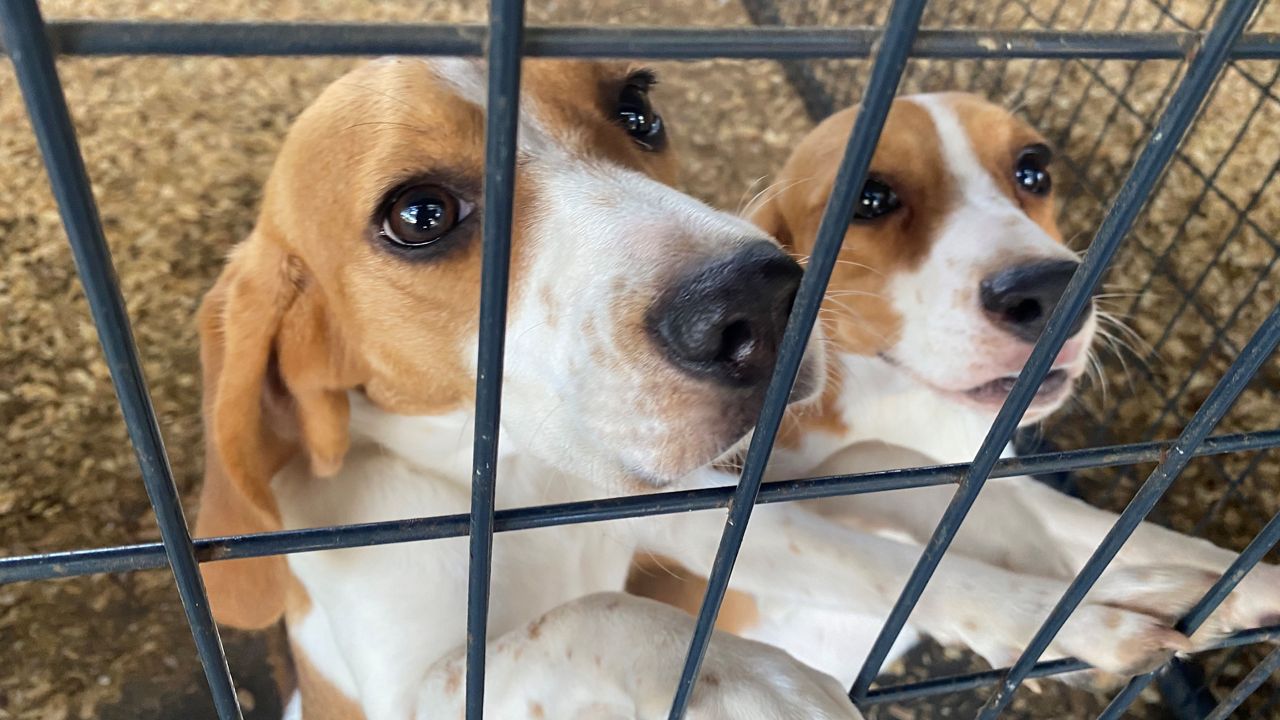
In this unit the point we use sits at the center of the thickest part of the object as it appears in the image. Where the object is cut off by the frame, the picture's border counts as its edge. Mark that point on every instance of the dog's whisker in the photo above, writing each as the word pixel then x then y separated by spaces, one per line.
pixel 743 201
pixel 839 261
pixel 776 188
pixel 854 293
pixel 856 317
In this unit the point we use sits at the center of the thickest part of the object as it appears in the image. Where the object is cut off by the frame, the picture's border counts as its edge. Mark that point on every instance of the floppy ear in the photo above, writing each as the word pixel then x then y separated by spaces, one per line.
pixel 768 217
pixel 272 388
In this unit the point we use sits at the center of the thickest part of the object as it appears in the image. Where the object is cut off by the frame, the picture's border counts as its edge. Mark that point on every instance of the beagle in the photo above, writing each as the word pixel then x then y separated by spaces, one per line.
pixel 338 350
pixel 947 275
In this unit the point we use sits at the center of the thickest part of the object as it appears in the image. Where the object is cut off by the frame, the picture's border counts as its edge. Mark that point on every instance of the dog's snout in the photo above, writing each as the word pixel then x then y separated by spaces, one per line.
pixel 724 320
pixel 1021 298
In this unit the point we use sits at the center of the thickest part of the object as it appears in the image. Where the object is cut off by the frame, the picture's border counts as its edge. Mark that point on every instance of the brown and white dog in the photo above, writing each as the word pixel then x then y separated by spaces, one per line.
pixel 338 350
pixel 947 276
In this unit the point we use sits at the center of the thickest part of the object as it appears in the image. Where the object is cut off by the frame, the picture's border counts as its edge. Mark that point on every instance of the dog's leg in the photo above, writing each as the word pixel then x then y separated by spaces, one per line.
pixel 617 657
pixel 795 559
pixel 1028 527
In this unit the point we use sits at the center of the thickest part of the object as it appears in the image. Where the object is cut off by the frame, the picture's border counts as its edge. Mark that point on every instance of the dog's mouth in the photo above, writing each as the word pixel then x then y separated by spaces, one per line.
pixel 991 394
pixel 1053 389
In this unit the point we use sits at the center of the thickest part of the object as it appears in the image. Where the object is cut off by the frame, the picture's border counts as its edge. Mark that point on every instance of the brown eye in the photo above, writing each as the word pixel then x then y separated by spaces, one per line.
pixel 1031 171
pixel 637 116
pixel 876 201
pixel 422 214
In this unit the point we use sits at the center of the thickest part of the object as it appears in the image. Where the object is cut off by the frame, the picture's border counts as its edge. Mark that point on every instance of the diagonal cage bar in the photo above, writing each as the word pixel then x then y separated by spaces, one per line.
pixel 891 61
pixel 131 558
pixel 948 684
pixel 1255 353
pixel 506 23
pixel 1173 124
pixel 1257 549
pixel 1265 669
pixel 22 28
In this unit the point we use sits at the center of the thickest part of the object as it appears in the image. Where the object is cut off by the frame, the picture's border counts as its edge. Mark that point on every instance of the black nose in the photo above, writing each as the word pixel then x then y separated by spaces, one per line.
pixel 724 320
pixel 1021 298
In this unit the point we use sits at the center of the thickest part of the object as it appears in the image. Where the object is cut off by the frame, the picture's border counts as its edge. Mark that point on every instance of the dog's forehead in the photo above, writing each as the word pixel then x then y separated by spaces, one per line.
pixel 972 130
pixel 560 100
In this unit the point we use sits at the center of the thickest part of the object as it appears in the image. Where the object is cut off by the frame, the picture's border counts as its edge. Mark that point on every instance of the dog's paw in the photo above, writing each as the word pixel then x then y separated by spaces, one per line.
pixel 1255 602
pixel 1125 625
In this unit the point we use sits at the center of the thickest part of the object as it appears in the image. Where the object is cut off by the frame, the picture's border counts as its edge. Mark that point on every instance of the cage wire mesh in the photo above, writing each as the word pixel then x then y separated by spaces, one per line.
pixel 1193 280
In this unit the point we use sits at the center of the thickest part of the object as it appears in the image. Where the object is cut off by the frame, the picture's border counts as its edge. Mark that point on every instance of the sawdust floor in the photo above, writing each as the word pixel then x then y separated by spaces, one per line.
pixel 177 149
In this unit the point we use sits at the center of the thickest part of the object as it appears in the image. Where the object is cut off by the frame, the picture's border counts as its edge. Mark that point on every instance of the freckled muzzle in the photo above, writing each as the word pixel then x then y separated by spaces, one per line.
pixel 723 320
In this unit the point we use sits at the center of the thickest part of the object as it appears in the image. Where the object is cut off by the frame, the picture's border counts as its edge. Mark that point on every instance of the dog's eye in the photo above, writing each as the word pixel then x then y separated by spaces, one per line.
pixel 636 114
pixel 1031 171
pixel 421 214
pixel 877 200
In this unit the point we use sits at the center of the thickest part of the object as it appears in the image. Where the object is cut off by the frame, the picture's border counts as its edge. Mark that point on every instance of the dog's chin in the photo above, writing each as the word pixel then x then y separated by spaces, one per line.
pixel 701 449
pixel 676 468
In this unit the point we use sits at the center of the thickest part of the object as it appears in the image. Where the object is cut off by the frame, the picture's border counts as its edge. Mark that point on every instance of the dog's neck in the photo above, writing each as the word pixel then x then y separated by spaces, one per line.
pixel 442 444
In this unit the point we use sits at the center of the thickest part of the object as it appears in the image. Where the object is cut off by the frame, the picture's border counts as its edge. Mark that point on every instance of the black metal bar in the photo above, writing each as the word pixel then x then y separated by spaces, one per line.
pixel 240 39
pixel 149 556
pixel 22 28
pixel 1048 668
pixel 886 73
pixel 1253 553
pixel 1173 124
pixel 1220 400
pixel 1269 665
pixel 502 113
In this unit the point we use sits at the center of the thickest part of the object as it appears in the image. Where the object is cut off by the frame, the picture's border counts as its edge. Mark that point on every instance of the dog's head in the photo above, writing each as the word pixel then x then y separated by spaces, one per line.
pixel 953 261
pixel 643 325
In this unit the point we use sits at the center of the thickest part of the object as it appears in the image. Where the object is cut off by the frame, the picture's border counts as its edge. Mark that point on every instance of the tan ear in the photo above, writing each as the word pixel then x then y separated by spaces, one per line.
pixel 272 388
pixel 768 217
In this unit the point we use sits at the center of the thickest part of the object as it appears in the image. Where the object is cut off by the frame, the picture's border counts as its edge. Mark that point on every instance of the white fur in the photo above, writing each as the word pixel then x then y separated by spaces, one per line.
pixel 580 415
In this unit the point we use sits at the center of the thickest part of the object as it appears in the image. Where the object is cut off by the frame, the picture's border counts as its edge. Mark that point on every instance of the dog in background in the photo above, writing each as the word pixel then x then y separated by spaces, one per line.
pixel 947 275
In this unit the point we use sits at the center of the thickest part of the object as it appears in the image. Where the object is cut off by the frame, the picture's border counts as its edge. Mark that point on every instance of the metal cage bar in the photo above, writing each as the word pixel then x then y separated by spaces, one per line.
pixel 22 28
pixel 506 31
pixel 130 558
pixel 239 39
pixel 1269 665
pixel 1220 400
pixel 1161 145
pixel 32 44
pixel 1048 668
pixel 1197 615
pixel 886 73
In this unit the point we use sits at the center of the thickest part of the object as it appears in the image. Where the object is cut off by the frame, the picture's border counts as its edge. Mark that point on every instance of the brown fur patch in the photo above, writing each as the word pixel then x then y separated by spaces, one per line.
pixel 321 700
pixel 663 579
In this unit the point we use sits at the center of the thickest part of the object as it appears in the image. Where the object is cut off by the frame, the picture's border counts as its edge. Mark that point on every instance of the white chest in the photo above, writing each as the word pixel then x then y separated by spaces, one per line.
pixel 382 615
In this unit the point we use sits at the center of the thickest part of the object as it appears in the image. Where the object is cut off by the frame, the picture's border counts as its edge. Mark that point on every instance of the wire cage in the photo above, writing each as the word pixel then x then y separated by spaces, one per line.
pixel 1116 83
pixel 1195 273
